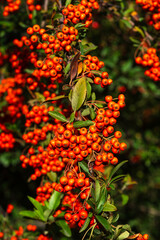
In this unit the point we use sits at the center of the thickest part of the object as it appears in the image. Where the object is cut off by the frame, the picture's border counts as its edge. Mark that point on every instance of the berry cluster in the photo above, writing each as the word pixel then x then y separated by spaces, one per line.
pixel 13 5
pixel 152 6
pixel 150 60
pixel 33 5
pixel 80 13
pixel 7 141
pixel 143 237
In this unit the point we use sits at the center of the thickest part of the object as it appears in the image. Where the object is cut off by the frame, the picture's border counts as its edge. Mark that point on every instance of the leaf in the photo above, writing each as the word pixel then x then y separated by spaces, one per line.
pixel 92 113
pixel 86 223
pixel 109 207
pixel 54 99
pixel 85 112
pixel 39 96
pixel 30 71
pixel 57 16
pixel 89 89
pixel 52 176
pixel 65 229
pixel 91 203
pixel 79 124
pixel 133 236
pixel 67 68
pixel 79 25
pixel 93 96
pixel 84 166
pixel 115 169
pixel 125 199
pixel 72 116
pixel 79 94
pixel 123 235
pixel 68 2
pixel 103 221
pixel 37 205
pixel 74 66
pixel 80 68
pixel 102 200
pixel 58 116
pixel 126 23
pixel 115 219
pixel 29 214
pixel 97 190
pixel 54 200
pixel 117 178
pixel 87 46
pixel 50 26
pixel 137 29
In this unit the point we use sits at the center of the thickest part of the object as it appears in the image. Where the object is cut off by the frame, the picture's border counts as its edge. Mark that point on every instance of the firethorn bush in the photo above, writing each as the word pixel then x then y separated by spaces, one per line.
pixel 60 113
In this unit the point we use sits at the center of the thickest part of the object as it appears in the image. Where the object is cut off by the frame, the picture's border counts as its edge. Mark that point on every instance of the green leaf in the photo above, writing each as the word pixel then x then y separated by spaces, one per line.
pixel 37 205
pixel 68 2
pixel 84 166
pixel 79 124
pixel 57 16
pixel 79 25
pixel 65 229
pixel 86 223
pixel 39 96
pixel 91 202
pixel 102 200
pixel 117 178
pixel 52 176
pixel 123 235
pixel 79 94
pixel 126 23
pixel 103 221
pixel 115 169
pixel 58 116
pixel 54 201
pixel 93 96
pixel 67 68
pixel 115 219
pixel 87 46
pixel 97 190
pixel 125 199
pixel 29 214
pixel 108 207
pixel 92 113
pixel 89 89
pixel 72 116
pixel 55 98
pixel 86 112
pixel 30 71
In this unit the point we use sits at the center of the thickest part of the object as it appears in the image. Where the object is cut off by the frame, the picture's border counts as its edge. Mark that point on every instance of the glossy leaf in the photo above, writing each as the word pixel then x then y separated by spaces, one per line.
pixel 29 214
pixel 84 166
pixel 97 190
pixel 108 207
pixel 86 223
pixel 115 169
pixel 58 116
pixel 79 94
pixel 36 204
pixel 103 221
pixel 89 89
pixel 79 124
pixel 65 229
pixel 72 116
pixel 54 200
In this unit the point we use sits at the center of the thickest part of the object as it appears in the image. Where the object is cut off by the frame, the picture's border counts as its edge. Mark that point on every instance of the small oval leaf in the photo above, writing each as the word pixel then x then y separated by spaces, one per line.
pixel 109 207
pixel 79 94
pixel 58 116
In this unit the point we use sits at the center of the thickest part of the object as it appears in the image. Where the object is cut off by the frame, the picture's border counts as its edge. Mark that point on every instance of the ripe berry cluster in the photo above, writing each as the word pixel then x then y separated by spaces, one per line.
pixel 150 60
pixel 13 5
pixel 152 6
pixel 80 13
